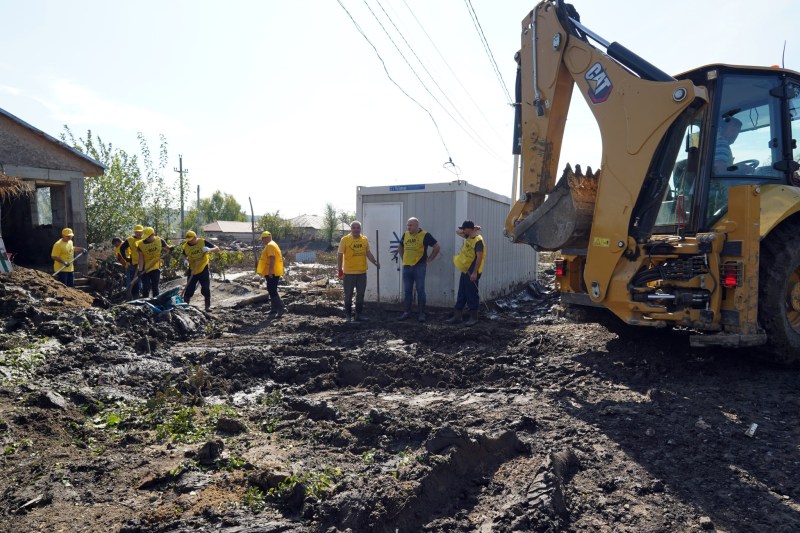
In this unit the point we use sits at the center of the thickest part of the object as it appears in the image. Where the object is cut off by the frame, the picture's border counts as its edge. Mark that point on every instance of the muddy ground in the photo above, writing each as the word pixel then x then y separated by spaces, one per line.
pixel 118 419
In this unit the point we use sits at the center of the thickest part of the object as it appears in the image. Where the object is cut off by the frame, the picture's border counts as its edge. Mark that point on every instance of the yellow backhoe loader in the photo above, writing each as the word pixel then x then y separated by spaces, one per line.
pixel 693 218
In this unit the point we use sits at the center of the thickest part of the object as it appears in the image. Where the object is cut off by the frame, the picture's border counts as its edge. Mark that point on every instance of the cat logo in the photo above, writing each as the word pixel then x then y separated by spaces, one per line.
pixel 602 84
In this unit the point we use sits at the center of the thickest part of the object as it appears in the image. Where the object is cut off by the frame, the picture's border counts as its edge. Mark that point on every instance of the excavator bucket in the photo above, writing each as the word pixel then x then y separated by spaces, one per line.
pixel 564 220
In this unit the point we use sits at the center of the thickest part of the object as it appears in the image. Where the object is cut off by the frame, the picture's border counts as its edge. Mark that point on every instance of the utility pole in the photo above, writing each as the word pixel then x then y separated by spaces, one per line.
pixel 199 220
pixel 180 170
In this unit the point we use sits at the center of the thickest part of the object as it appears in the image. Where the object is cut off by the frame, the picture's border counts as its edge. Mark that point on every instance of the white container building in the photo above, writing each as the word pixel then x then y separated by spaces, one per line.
pixel 440 208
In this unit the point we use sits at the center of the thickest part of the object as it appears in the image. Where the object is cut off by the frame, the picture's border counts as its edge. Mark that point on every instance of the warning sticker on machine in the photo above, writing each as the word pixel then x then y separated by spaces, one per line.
pixel 600 241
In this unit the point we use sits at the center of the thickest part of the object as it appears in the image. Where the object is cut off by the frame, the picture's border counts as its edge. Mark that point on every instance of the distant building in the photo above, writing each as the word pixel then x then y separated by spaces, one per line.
pixel 50 175
pixel 310 227
pixel 239 231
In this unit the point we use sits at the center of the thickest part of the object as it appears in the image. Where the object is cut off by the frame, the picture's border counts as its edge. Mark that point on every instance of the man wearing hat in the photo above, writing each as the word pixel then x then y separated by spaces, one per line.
pixel 130 249
pixel 270 265
pixel 63 255
pixel 196 251
pixel 469 262
pixel 152 250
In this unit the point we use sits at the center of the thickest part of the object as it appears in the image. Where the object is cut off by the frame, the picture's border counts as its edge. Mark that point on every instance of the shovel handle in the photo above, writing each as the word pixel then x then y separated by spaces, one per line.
pixel 68 264
pixel 378 260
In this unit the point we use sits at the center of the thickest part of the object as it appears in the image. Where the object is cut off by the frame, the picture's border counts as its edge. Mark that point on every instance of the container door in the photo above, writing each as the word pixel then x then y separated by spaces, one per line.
pixel 387 219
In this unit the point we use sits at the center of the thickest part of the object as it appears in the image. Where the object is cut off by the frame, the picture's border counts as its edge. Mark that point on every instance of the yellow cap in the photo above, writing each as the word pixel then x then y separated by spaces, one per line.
pixel 148 231
pixel 67 232
pixel 190 235
pixel 138 227
pixel 265 234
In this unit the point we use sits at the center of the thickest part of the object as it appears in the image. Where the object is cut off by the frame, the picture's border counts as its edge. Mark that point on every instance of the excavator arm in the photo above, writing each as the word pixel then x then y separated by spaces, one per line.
pixel 634 105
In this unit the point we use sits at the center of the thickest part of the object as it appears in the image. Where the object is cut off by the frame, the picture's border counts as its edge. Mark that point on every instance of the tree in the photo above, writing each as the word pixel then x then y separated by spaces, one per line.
pixel 330 222
pixel 221 206
pixel 160 196
pixel 114 200
pixel 347 217
pixel 275 224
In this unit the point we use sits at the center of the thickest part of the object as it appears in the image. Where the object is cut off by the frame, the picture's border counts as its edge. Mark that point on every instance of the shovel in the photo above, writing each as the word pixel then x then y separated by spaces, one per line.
pixel 129 288
pixel 378 272
pixel 68 264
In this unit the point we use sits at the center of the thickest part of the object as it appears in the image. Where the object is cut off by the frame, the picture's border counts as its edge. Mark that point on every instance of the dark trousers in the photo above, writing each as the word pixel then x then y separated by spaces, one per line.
pixel 130 272
pixel 275 302
pixel 204 279
pixel 359 283
pixel 414 275
pixel 67 278
pixel 468 295
pixel 150 283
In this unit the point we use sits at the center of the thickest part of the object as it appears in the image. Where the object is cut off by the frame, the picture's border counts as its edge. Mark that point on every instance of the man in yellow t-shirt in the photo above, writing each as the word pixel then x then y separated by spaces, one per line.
pixel 352 265
pixel 270 265
pixel 63 255
pixel 469 262
pixel 196 250
pixel 152 250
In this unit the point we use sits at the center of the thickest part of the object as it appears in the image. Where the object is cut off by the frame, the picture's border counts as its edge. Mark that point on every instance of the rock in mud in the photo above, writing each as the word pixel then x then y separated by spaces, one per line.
pixel 315 410
pixel 269 477
pixel 210 452
pixel 49 400
pixel 231 426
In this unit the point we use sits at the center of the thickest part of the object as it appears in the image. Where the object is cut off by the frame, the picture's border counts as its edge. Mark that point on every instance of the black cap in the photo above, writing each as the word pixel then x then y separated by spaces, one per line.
pixel 468 224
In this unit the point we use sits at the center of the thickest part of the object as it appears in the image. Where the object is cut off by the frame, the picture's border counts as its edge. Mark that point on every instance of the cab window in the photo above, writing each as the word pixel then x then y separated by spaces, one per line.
pixel 747 139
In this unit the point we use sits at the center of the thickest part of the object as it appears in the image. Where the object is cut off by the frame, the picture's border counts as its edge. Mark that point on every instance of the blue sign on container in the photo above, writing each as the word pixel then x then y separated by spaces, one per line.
pixel 407 188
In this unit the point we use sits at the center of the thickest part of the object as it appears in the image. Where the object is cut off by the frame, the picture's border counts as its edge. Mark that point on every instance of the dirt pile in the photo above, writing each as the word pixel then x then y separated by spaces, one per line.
pixel 235 421
pixel 25 286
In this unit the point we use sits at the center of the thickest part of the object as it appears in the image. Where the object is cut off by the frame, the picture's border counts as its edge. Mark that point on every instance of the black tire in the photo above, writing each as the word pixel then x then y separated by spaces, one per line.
pixel 779 293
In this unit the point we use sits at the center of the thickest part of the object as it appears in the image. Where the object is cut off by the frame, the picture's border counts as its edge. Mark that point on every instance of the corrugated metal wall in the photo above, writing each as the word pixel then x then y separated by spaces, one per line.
pixel 441 212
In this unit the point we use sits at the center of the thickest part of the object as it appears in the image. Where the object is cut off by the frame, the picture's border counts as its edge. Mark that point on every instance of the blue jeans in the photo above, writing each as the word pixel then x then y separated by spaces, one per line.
pixel 412 275
pixel 468 294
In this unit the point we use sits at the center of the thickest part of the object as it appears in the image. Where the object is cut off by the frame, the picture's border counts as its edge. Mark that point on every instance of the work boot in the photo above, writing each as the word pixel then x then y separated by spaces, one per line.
pixel 421 317
pixel 208 308
pixel 405 316
pixel 471 321
pixel 455 319
pixel 279 312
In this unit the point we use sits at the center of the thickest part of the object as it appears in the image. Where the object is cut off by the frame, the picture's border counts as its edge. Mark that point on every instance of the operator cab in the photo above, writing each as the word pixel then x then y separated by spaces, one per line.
pixel 745 135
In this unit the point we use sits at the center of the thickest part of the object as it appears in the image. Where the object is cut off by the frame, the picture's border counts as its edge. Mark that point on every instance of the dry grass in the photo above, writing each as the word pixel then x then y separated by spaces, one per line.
pixel 11 187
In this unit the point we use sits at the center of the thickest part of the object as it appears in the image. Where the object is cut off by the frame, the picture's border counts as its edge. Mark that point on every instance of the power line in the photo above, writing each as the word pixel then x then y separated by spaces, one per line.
pixel 479 139
pixel 438 132
pixel 413 70
pixel 488 50
pixel 469 95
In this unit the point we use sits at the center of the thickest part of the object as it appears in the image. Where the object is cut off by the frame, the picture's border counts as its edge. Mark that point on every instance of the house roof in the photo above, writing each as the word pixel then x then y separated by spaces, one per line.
pixel 11 148
pixel 314 222
pixel 228 226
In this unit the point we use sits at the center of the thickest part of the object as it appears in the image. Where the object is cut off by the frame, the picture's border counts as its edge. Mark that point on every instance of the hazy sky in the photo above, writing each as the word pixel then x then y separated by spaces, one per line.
pixel 285 102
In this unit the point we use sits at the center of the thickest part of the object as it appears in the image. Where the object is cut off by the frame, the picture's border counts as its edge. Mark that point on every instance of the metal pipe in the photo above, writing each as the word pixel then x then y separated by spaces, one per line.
pixel 537 97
